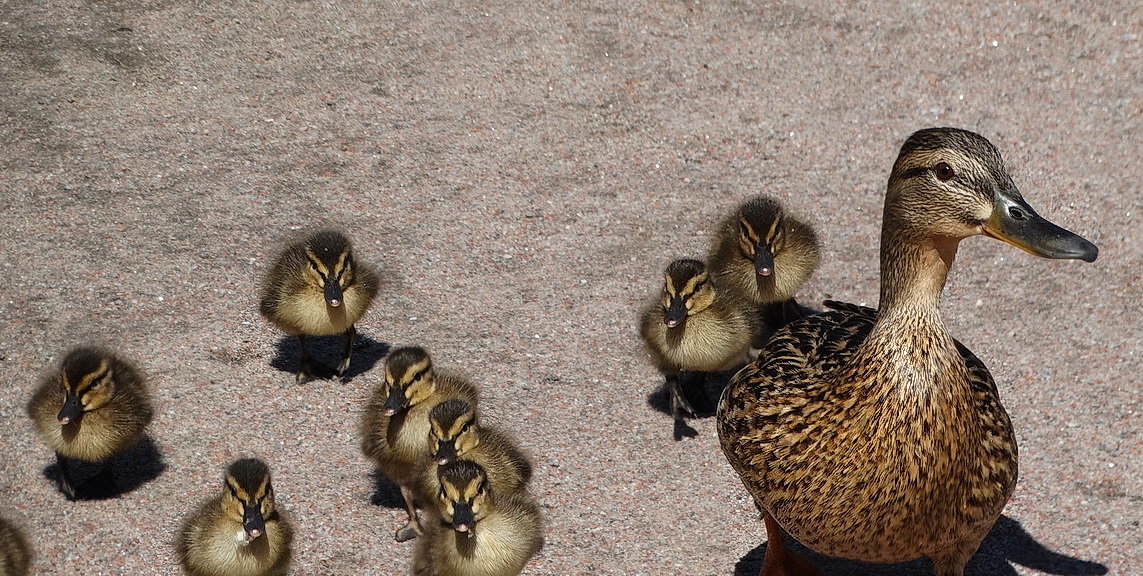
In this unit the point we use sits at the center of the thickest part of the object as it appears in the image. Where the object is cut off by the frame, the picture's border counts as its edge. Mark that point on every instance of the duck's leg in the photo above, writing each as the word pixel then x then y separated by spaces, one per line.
pixel 953 563
pixel 347 352
pixel 306 371
pixel 413 527
pixel 779 560
pixel 679 405
pixel 64 480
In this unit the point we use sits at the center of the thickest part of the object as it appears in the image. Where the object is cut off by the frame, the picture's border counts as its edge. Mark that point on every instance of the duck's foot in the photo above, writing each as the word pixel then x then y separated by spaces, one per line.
pixel 780 560
pixel 680 405
pixel 407 532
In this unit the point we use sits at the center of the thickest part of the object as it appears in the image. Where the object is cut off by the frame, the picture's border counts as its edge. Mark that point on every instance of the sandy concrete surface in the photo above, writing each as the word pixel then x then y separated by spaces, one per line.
pixel 520 173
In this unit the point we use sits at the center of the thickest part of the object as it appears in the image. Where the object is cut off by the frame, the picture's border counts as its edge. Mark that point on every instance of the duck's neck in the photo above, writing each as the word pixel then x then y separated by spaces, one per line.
pixel 909 338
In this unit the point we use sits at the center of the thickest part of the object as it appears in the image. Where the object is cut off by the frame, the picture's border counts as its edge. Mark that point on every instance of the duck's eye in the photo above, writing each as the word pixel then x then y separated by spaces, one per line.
pixel 943 171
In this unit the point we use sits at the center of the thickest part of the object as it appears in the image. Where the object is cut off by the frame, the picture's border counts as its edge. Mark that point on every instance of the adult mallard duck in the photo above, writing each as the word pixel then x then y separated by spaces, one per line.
pixel 874 435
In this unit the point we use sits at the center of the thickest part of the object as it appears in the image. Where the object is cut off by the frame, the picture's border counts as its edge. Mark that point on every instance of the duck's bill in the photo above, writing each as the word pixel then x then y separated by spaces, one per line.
pixel 1016 223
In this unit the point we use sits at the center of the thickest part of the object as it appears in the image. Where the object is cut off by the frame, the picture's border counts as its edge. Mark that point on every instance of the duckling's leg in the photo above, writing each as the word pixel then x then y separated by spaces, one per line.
pixel 64 480
pixel 679 405
pixel 779 560
pixel 413 527
pixel 679 402
pixel 306 372
pixel 345 354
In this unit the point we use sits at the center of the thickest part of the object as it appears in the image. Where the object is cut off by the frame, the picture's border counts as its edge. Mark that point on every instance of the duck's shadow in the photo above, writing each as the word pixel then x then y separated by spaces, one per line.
pixel 326 351
pixel 129 470
pixel 1007 543
pixel 702 390
pixel 385 493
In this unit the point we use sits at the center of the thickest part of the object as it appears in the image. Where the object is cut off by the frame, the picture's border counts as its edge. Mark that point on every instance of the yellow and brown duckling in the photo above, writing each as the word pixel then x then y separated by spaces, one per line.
pixel 764 254
pixel 240 532
pixel 317 288
pixel 456 434
pixel 876 436
pixel 395 426
pixel 476 531
pixel 15 553
pixel 91 408
pixel 695 326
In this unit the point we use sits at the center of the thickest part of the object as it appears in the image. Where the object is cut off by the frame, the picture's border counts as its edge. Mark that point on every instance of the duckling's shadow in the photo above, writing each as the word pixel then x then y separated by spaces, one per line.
pixel 385 493
pixel 367 352
pixel 702 390
pixel 1008 542
pixel 130 469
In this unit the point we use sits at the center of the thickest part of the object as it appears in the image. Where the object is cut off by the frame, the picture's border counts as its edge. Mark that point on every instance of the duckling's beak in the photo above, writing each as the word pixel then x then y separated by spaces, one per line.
pixel 1016 223
pixel 446 452
pixel 71 410
pixel 252 520
pixel 395 402
pixel 462 517
pixel 333 293
pixel 675 313
pixel 763 260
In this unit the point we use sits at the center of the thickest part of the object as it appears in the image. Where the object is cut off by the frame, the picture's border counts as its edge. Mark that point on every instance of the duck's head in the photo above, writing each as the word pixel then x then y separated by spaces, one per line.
pixel 88 379
pixel 249 497
pixel 686 291
pixel 766 231
pixel 453 430
pixel 463 499
pixel 331 266
pixel 949 184
pixel 408 379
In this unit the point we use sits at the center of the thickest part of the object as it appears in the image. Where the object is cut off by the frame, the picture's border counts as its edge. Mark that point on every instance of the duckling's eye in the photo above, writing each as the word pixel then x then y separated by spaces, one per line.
pixel 943 171
pixel 466 427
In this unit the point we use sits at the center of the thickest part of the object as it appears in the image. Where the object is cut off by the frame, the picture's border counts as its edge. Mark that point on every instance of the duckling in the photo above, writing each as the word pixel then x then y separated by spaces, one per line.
pixel 477 531
pixel 874 435
pixel 317 288
pixel 696 326
pixel 764 255
pixel 240 532
pixel 93 407
pixel 455 433
pixel 395 426
pixel 15 553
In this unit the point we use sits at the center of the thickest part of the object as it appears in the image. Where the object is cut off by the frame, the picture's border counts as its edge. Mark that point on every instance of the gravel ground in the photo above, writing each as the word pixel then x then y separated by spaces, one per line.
pixel 521 173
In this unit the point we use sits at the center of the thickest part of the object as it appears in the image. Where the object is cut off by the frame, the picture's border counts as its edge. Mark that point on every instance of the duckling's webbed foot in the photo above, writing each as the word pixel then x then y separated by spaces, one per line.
pixel 347 352
pixel 413 527
pixel 407 532
pixel 64 480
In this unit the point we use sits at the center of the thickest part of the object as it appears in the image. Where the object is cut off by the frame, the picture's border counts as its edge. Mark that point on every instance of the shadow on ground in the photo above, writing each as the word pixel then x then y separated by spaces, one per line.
pixel 702 390
pixel 326 351
pixel 129 470
pixel 1006 544
pixel 385 493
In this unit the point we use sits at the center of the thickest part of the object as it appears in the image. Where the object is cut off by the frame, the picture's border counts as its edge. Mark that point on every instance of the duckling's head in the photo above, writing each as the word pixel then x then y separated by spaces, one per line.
pixel 686 291
pixel 949 184
pixel 331 266
pixel 408 378
pixel 763 232
pixel 454 430
pixel 249 498
pixel 88 379
pixel 463 497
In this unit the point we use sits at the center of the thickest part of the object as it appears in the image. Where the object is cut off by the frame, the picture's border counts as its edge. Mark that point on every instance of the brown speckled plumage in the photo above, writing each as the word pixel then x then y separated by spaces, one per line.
pixel 874 435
